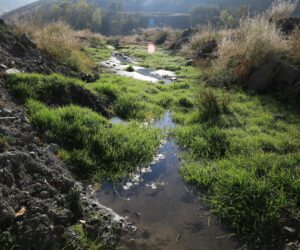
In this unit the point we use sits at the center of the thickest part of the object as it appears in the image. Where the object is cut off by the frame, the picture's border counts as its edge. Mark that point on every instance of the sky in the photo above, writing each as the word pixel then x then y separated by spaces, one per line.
pixel 7 5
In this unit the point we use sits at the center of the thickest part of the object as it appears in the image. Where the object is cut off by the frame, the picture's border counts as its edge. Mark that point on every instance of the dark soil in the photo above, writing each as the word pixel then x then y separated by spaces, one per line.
pixel 40 199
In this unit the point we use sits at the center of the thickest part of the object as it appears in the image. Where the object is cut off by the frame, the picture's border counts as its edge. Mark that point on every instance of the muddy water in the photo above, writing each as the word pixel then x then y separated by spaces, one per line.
pixel 163 211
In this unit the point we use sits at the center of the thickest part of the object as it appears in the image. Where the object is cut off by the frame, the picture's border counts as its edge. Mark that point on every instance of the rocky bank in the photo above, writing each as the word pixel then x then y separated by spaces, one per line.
pixel 41 201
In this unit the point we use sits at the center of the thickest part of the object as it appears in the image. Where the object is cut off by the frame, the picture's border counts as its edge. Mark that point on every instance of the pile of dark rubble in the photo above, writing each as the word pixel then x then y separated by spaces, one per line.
pixel 19 54
pixel 40 200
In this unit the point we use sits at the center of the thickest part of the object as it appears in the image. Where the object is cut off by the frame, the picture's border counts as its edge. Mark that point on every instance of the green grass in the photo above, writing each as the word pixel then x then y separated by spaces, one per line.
pixel 84 241
pixel 134 99
pixel 246 162
pixel 41 87
pixel 91 143
pixel 101 53
pixel 161 59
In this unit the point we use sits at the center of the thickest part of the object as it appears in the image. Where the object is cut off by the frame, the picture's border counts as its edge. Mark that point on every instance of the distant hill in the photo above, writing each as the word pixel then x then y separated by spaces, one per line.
pixel 179 6
pixel 120 17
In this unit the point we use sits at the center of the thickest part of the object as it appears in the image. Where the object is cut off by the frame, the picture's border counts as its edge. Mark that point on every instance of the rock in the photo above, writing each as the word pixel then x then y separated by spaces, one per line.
pixel 207 50
pixel 289 230
pixel 89 78
pixel 44 194
pixel 161 39
pixel 7 178
pixel 52 148
pixel 189 62
pixel 7 214
pixel 273 76
pixel 288 24
pixel 12 71
pixel 3 66
pixel 279 117
pixel 183 39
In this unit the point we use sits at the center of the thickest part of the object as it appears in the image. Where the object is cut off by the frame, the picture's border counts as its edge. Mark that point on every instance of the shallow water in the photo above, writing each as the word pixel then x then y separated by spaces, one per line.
pixel 118 63
pixel 165 213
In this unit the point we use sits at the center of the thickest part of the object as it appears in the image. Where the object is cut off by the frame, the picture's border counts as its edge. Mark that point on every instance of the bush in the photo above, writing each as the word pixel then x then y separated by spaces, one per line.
pixel 212 106
pixel 130 69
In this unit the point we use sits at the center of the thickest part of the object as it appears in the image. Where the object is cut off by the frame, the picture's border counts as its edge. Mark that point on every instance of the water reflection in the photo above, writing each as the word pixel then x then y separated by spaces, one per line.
pixel 162 211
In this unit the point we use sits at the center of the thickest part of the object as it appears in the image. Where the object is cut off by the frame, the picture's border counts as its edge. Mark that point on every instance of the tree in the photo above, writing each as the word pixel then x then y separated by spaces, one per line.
pixel 97 20
pixel 204 14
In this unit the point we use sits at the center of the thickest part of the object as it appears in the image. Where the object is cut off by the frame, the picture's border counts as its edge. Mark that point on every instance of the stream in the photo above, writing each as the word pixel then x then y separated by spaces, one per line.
pixel 119 63
pixel 163 212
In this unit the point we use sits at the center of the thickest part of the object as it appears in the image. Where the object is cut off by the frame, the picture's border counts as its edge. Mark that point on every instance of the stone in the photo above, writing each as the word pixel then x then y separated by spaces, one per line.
pixel 52 148
pixel 3 66
pixel 44 194
pixel 272 76
pixel 12 71
pixel 7 214
pixel 288 24
pixel 189 62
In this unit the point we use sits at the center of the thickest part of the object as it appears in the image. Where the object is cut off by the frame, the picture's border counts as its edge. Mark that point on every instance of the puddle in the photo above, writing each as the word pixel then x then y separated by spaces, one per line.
pixel 118 63
pixel 162 211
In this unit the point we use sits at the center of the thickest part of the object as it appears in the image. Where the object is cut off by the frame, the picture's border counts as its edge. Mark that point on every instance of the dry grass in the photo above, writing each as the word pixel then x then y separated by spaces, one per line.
pixel 281 9
pixel 168 36
pixel 256 41
pixel 205 34
pixel 61 42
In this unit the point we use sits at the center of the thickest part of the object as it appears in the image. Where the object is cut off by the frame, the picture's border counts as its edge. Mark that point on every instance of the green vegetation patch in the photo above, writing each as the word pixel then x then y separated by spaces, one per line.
pixel 91 143
pixel 245 160
pixel 54 88
pixel 100 53
pixel 160 59
pixel 139 100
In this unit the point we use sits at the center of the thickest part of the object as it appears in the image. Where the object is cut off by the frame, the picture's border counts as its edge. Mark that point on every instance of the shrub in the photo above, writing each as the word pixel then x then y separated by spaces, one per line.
pixel 130 69
pixel 212 106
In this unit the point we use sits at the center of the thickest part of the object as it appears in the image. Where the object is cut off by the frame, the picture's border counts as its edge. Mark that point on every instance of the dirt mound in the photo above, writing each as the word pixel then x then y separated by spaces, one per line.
pixel 40 200
pixel 288 25
pixel 21 53
pixel 183 39
pixel 277 77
